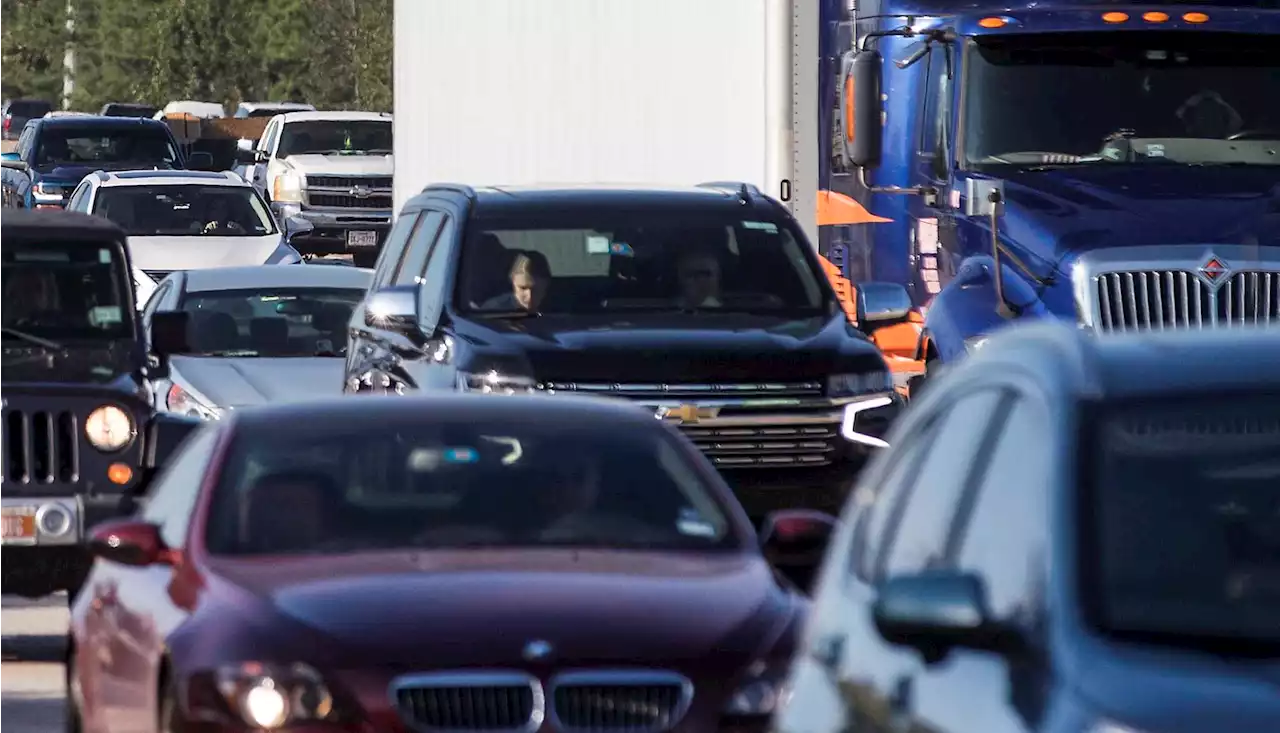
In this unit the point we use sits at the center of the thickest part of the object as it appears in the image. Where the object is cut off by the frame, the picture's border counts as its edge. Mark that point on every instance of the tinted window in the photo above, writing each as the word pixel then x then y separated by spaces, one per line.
pixel 173 497
pixel 638 259
pixel 1181 502
pixel 463 481
pixel 414 262
pixel 88 146
pixel 336 137
pixel 271 322
pixel 65 291
pixel 916 533
pixel 874 501
pixel 393 249
pixel 29 108
pixel 1184 94
pixel 159 210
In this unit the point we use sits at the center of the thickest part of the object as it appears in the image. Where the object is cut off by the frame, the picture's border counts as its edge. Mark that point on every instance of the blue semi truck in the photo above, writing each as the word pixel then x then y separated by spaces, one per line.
pixel 1117 164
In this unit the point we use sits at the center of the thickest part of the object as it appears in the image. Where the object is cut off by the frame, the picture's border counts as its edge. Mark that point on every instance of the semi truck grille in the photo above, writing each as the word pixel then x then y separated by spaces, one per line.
pixel 633 708
pixel 1141 300
pixel 41 447
pixel 349 201
pixel 464 702
pixel 348 181
pixel 670 392
pixel 761 446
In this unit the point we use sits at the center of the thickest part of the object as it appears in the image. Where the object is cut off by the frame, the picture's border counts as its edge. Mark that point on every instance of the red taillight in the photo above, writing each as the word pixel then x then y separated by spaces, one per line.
pixel 7 120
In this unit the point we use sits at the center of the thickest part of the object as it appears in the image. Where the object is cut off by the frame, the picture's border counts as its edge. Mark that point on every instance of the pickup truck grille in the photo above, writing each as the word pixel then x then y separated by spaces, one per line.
pixel 348 181
pixel 349 192
pixel 40 447
pixel 349 201
pixel 1160 299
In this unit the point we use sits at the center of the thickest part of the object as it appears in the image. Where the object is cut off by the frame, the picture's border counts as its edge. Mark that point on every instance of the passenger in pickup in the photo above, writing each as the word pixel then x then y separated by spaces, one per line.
pixel 530 277
pixel 699 273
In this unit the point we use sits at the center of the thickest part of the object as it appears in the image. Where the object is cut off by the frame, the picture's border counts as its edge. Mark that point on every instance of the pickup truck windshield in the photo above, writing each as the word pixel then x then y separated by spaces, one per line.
pixel 593 260
pixel 162 210
pixel 1122 98
pixel 64 292
pixel 147 146
pixel 1181 536
pixel 336 137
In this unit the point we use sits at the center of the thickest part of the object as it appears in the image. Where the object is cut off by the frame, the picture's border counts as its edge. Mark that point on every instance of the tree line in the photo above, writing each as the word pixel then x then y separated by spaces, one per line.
pixel 334 54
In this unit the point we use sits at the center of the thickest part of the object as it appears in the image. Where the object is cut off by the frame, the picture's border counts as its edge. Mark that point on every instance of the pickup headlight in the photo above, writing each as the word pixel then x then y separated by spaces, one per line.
pixel 759 694
pixel 494 382
pixel 848 385
pixel 287 188
pixel 269 697
pixel 973 343
pixel 109 429
pixel 183 402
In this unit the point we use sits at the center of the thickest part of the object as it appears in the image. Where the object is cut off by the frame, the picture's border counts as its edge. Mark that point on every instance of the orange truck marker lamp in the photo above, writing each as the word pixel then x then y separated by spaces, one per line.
pixel 119 473
pixel 992 22
pixel 1196 18
pixel 1155 17
pixel 1115 17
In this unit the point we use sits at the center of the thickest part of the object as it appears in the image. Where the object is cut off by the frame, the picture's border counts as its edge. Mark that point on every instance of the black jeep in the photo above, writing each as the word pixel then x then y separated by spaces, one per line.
pixel 81 441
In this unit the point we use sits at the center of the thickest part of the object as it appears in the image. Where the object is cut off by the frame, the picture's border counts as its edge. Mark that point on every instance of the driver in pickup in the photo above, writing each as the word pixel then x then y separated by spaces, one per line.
pixel 699 274
pixel 530 277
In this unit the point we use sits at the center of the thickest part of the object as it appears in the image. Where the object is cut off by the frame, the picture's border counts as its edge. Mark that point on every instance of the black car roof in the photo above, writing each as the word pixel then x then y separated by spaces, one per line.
pixel 501 199
pixel 99 121
pixel 26 226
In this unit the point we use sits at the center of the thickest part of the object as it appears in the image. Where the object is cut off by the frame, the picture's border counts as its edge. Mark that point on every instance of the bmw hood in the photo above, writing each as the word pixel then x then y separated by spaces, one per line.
pixel 195 252
pixel 246 382
pixel 343 165
pixel 1062 213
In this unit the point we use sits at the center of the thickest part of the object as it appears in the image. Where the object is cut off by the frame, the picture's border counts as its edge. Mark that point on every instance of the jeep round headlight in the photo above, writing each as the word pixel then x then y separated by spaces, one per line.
pixel 109 428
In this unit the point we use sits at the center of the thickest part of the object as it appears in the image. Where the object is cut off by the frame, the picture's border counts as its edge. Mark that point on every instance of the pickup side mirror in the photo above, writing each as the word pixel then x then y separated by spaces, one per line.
pixel 15 163
pixel 880 302
pixel 247 156
pixel 860 109
pixel 260 156
pixel 200 161
pixel 794 541
pixel 130 542
pixel 169 333
pixel 936 611
pixel 394 308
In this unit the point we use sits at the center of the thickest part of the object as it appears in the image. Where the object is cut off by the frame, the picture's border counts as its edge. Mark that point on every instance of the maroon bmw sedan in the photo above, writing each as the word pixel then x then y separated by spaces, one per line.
pixel 440 564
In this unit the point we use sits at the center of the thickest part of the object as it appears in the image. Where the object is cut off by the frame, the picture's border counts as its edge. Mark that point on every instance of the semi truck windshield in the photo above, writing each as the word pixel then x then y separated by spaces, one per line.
pixel 1122 98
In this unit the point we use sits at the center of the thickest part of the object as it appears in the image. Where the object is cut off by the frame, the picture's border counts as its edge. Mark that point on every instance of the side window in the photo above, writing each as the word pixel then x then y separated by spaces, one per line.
pixel 269 136
pixel 916 529
pixel 436 273
pixel 934 122
pixel 415 257
pixel 154 302
pixel 78 200
pixel 393 248
pixel 1007 519
pixel 173 497
pixel 25 140
pixel 875 502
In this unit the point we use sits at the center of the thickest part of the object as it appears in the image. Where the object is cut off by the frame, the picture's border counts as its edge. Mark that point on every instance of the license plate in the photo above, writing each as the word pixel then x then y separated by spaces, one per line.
pixel 19 524
pixel 362 239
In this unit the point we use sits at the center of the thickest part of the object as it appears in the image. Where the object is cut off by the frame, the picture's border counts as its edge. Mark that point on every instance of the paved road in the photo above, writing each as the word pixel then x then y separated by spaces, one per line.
pixel 32 696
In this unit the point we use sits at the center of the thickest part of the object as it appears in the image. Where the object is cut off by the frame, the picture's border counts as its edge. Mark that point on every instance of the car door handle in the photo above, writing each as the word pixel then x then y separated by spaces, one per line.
pixel 828 651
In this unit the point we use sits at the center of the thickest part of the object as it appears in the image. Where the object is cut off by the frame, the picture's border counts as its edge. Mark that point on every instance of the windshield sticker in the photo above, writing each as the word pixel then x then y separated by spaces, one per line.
pixel 692 524
pixel 33 255
pixel 622 249
pixel 763 226
pixel 1155 150
pixel 461 455
pixel 104 315
pixel 104 256
pixel 597 245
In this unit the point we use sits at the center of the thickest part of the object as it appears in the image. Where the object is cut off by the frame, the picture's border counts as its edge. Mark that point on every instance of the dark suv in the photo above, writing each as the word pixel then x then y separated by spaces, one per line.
pixel 80 439
pixel 60 151
pixel 18 111
pixel 706 305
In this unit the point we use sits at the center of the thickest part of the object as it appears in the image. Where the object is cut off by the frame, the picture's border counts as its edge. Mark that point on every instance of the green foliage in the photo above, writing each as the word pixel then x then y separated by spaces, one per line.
pixel 335 54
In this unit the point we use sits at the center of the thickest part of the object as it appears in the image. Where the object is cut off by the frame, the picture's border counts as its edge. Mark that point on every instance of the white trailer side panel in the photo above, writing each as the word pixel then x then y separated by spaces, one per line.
pixel 579 91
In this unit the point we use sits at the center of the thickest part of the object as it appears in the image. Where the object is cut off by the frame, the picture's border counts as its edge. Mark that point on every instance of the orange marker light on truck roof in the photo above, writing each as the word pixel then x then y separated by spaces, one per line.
pixel 1155 17
pixel 993 22
pixel 1114 17
pixel 1196 18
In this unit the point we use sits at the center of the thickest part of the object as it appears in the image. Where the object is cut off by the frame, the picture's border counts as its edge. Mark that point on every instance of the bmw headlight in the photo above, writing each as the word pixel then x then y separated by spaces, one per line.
pixel 759 694
pixel 494 382
pixel 973 343
pixel 109 429
pixel 848 385
pixel 270 697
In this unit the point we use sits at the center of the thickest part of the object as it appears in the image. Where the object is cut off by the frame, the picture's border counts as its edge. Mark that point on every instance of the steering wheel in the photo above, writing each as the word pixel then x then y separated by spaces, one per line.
pixel 1259 134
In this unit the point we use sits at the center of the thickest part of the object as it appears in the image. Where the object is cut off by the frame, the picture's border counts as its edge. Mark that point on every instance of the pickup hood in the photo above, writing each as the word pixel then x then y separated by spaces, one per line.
pixel 1065 212
pixel 676 347
pixel 197 252
pixel 231 382
pixel 675 608
pixel 343 165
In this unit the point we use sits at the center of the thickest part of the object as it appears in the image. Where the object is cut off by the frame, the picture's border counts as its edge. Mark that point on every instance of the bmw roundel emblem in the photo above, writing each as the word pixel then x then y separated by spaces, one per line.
pixel 537 650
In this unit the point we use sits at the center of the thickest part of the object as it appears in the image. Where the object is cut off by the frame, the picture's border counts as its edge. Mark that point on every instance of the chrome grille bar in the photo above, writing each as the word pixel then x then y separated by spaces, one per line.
pixel 619 701
pixel 470 702
pixel 1146 300
pixel 679 391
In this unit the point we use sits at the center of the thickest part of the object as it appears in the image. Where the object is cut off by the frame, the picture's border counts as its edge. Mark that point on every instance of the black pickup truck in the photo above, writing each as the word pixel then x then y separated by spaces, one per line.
pixel 81 441
pixel 706 305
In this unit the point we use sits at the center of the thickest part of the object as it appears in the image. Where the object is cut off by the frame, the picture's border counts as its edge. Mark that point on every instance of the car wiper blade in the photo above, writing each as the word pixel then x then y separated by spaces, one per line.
pixel 29 338
pixel 513 314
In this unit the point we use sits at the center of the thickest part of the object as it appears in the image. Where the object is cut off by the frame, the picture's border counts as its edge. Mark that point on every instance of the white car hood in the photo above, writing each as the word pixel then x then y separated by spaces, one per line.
pixel 198 252
pixel 246 382
pixel 360 165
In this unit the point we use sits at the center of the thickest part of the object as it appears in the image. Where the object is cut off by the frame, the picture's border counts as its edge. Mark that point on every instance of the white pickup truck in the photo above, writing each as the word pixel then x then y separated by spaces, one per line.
pixel 333 169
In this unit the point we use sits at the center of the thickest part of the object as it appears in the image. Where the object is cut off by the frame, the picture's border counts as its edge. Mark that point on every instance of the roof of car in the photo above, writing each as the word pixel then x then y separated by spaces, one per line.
pixel 342 413
pixel 26 225
pixel 1150 363
pixel 299 106
pixel 277 276
pixel 314 115
pixel 98 121
pixel 726 197
pixel 170 178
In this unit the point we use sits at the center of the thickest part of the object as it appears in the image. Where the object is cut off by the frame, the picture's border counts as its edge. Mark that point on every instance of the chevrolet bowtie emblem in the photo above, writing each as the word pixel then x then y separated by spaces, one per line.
pixel 688 413
pixel 361 192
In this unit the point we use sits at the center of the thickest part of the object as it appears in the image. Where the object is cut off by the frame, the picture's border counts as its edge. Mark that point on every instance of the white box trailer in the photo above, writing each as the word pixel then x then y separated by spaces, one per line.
pixel 491 92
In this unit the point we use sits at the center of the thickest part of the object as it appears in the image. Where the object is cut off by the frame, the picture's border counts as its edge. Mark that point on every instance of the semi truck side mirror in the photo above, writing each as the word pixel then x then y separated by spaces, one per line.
pixel 864 92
